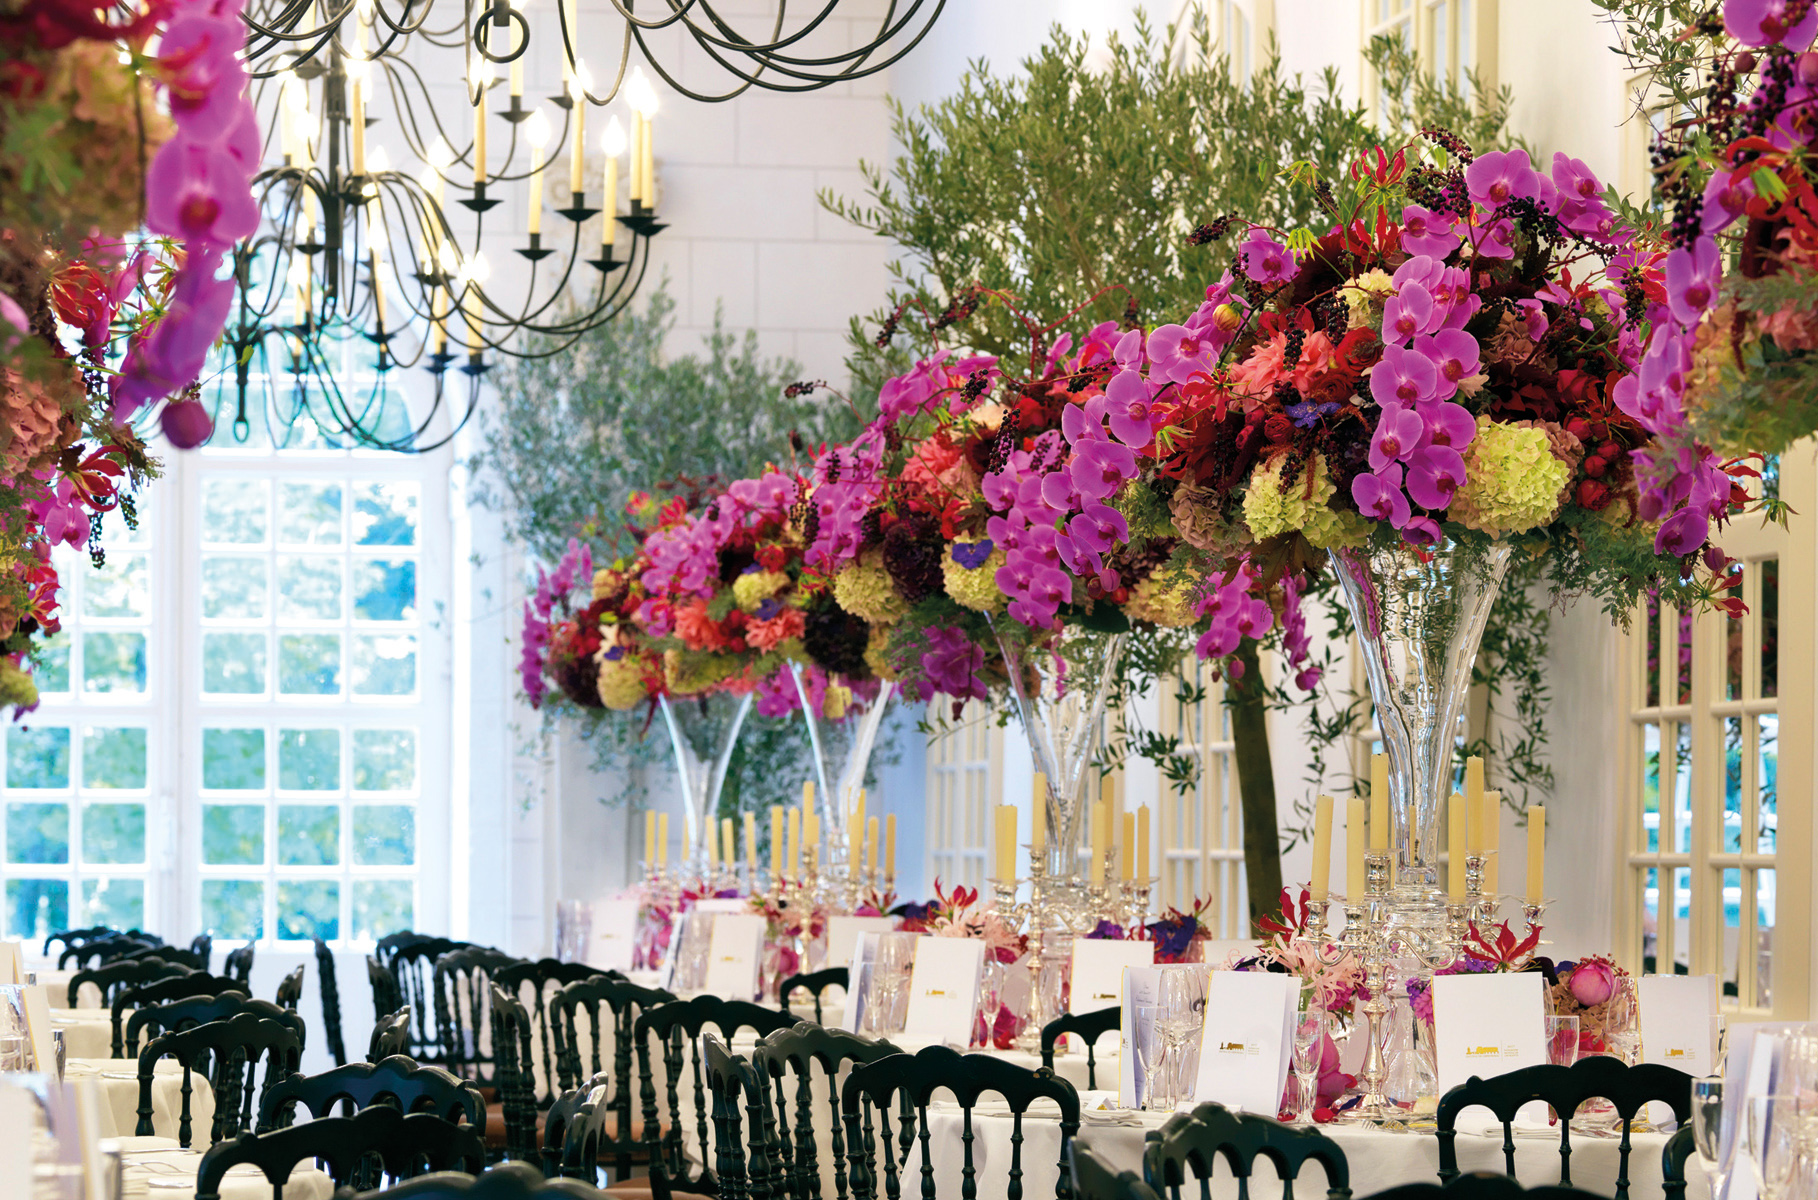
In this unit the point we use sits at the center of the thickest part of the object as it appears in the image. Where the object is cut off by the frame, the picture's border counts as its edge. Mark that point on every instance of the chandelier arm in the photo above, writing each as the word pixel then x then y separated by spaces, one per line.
pixel 618 79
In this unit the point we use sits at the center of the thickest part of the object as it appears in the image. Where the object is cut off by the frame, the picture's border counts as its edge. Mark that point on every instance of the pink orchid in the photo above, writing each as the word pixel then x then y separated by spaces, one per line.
pixel 1424 231
pixel 197 191
pixel 1692 278
pixel 1434 473
pixel 1500 176
pixel 1398 434
pixel 1403 377
pixel 1379 496
pixel 1265 260
pixel 1760 23
pixel 1179 353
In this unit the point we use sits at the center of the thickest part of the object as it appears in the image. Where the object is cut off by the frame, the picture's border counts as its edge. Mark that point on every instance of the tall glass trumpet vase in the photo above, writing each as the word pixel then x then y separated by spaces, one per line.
pixel 1420 614
pixel 843 745
pixel 702 732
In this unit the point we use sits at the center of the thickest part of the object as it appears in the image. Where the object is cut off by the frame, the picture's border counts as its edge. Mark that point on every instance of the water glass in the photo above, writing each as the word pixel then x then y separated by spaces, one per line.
pixel 1774 1149
pixel 1183 1017
pixel 1151 1056
pixel 1562 1041
pixel 1309 1046
pixel 574 930
pixel 1707 1129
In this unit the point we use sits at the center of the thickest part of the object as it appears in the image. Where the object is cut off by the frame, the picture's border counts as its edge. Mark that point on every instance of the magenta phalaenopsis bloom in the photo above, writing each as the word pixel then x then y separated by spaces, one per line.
pixel 1179 352
pixel 1434 473
pixel 206 79
pixel 1265 260
pixel 1763 23
pixel 1426 232
pixel 1130 406
pixel 1409 313
pixel 1500 176
pixel 1449 425
pixel 1379 496
pixel 1403 376
pixel 1726 197
pixel 1294 640
pixel 1235 614
pixel 951 662
pixel 1398 434
pixel 1455 354
pixel 1692 279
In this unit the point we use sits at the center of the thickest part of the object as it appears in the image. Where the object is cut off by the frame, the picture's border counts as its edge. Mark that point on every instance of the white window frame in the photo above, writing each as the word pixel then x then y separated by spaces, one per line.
pixel 1201 829
pixel 965 780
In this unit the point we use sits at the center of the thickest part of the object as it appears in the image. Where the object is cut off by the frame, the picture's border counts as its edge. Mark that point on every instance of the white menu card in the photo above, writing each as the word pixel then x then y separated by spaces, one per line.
pixel 1098 970
pixel 16 1105
pixel 1678 1021
pixel 943 989
pixel 1487 1025
pixel 843 934
pixel 38 1027
pixel 1247 1045
pixel 12 962
pixel 615 934
pixel 735 956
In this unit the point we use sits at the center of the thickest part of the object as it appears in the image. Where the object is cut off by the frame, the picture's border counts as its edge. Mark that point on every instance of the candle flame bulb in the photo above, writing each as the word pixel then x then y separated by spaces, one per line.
pixel 537 129
pixel 612 140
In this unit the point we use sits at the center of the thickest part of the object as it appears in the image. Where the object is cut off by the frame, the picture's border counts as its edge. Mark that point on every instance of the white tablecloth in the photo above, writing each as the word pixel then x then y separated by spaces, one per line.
pixel 119 1079
pixel 87 1032
pixel 157 1170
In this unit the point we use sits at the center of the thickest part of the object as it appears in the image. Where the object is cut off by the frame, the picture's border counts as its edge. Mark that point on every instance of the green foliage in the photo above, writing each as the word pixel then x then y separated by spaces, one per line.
pixel 1412 99
pixel 1650 37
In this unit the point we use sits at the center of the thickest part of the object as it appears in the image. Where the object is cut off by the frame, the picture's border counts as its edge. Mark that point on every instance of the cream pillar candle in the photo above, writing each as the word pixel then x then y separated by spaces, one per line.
pixel 1456 823
pixel 662 838
pixel 1473 794
pixel 729 843
pixel 1142 842
pixel 1537 853
pixel 1322 848
pixel 890 846
pixel 1379 802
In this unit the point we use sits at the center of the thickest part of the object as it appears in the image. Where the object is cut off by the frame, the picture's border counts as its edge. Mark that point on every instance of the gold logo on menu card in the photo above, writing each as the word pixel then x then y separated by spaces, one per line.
pixel 1679 1054
pixel 1104 995
pixel 935 992
pixel 1483 1051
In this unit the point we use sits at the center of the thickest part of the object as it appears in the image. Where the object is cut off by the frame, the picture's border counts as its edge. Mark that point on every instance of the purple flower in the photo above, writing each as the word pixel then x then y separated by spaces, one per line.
pixel 1172 936
pixel 1379 496
pixel 1107 930
pixel 1763 23
pixel 1426 232
pixel 1456 356
pixel 1403 377
pixel 197 191
pixel 914 392
pixel 1099 527
pixel 1400 432
pixel 1682 533
pixel 972 555
pixel 199 53
pixel 1450 425
pixel 1265 260
pixel 1691 279
pixel 1307 414
pixel 1178 353
pixel 1100 467
pixel 1500 176
pixel 1409 313
pixel 1574 179
pixel 952 662
pixel 1726 197
pixel 1127 399
pixel 1420 531
pixel 1434 473
pixel 1495 239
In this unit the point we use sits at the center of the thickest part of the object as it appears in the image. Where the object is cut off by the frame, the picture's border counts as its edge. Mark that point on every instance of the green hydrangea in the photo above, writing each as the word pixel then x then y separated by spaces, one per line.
pixel 1160 602
pixel 1305 506
pixel 622 684
pixel 754 587
pixel 974 588
pixel 1513 480
pixel 866 590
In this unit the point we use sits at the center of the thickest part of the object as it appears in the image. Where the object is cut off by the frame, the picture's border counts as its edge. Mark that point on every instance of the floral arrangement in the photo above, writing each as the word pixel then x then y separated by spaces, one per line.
pixel 1180 936
pixel 961 915
pixel 1292 949
pixel 1601 995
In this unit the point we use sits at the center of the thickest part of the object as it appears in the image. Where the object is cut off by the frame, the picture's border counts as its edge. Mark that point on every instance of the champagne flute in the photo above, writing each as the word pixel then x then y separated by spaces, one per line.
pixel 1151 1051
pixel 1182 999
pixel 1309 1045
pixel 1774 1149
pixel 1707 1130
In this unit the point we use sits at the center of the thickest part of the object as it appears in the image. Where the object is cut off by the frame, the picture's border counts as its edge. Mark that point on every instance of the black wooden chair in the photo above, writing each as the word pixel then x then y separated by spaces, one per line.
pixel 575 1138
pixel 623 1145
pixel 231 1049
pixel 460 978
pixel 401 1082
pixel 156 1019
pixel 239 963
pixel 1095 1179
pixel 331 1002
pixel 1628 1089
pixel 94 952
pixel 507 1181
pixel 677 1028
pixel 163 991
pixel 170 954
pixel 1481 1185
pixel 915 1078
pixel 290 989
pixel 1189 1144
pixel 530 983
pixel 412 963
pixel 203 947
pixel 816 982
pixel 798 1050
pixel 390 1035
pixel 114 977
pixel 71 938
pixel 735 1087
pixel 1089 1026
pixel 1673 1157
pixel 387 996
pixel 516 1130
pixel 406 1146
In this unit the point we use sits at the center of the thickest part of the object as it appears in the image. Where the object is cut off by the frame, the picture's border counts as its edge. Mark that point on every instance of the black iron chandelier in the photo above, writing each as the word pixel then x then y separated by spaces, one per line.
pixel 362 267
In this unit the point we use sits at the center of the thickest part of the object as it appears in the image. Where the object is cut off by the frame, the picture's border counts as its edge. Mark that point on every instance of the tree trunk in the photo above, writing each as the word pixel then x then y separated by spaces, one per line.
pixel 1255 782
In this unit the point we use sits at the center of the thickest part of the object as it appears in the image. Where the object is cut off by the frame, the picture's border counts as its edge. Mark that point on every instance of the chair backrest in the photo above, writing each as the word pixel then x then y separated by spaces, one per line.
pixel 677 1028
pixel 816 982
pixel 203 947
pixel 331 1002
pixel 386 948
pixel 390 1035
pixel 1096 1179
pixel 72 938
pixel 156 1019
pixel 912 1079
pixel 512 1072
pixel 170 954
pixel 1089 1026
pixel 1628 1089
pixel 530 982
pixel 412 962
pixel 799 1049
pixel 1189 1144
pixel 290 989
pixel 387 996
pixel 406 1145
pixel 624 1002
pixel 401 1082
pixel 507 1181
pixel 460 978
pixel 103 949
pixel 162 991
pixel 738 1094
pixel 1481 1185
pixel 1673 1158
pixel 113 977
pixel 232 1048
pixel 574 1130
pixel 239 963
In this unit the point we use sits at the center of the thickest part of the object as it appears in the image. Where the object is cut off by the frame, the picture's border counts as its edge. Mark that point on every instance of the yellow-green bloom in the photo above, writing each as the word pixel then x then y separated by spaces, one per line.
pixel 1160 602
pixel 866 590
pixel 754 587
pixel 1272 507
pixel 974 587
pixel 622 685
pixel 1513 480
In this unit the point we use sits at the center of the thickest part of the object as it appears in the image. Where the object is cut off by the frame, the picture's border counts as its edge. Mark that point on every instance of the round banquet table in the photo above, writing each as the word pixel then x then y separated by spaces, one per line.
pixel 87 1032
pixel 119 1080
pixel 157 1169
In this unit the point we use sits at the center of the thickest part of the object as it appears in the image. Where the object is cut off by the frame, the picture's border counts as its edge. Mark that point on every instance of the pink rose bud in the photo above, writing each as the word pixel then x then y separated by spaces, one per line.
pixel 1592 983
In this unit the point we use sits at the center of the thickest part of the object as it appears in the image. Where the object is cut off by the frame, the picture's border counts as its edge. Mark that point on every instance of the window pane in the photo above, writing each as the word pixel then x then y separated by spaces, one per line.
pixel 113 758
pixel 385 760
pixel 113 833
pixel 234 511
pixel 1732 784
pixel 122 588
pixel 233 758
pixel 385 514
pixel 309 588
pixel 309 664
pixel 37 758
pixel 1770 627
pixel 233 663
pixel 1764 937
pixel 384 835
pixel 309 514
pixel 233 908
pixel 309 835
pixel 233 587
pixel 309 759
pixel 116 902
pixel 233 834
pixel 113 662
pixel 309 910
pixel 385 590
pixel 37 833
pixel 384 666
pixel 381 906
pixel 1650 785
pixel 1650 920
pixel 1767 782
pixel 52 674
pixel 1682 789
pixel 35 908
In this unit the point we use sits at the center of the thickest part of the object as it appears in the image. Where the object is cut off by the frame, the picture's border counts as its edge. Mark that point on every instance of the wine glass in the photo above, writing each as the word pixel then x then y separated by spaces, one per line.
pixel 1707 1129
pixel 1182 1002
pixel 1309 1045
pixel 1562 1041
pixel 1151 1054
pixel 1774 1148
